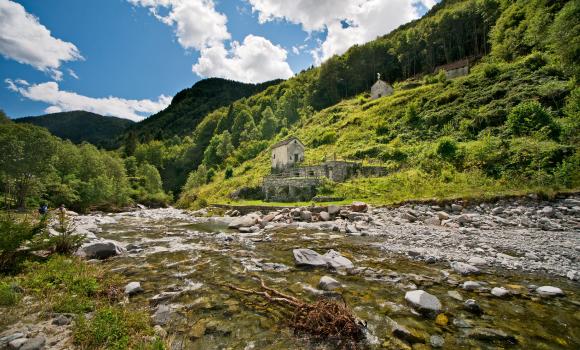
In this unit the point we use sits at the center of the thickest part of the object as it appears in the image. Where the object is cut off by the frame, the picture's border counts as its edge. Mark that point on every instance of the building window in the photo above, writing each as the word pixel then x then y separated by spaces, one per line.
pixel 311 173
pixel 273 156
pixel 296 158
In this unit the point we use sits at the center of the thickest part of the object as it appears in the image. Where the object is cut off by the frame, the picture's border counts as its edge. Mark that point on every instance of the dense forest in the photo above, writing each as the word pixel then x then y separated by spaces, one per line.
pixel 511 125
pixel 81 126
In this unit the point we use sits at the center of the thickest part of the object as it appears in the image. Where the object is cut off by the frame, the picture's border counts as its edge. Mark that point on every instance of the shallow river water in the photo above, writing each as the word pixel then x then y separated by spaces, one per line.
pixel 170 252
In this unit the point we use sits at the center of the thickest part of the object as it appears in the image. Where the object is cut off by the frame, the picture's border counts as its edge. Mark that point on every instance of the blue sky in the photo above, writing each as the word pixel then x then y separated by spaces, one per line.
pixel 128 57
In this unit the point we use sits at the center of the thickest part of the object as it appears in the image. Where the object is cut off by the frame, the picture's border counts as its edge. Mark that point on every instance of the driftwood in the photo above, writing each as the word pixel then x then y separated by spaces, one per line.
pixel 325 319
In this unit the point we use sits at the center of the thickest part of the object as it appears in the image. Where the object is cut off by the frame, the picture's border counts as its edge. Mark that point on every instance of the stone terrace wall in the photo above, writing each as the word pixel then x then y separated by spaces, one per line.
pixel 292 189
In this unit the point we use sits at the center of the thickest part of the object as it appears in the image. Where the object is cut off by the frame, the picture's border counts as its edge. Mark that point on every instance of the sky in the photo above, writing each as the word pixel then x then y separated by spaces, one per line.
pixel 127 58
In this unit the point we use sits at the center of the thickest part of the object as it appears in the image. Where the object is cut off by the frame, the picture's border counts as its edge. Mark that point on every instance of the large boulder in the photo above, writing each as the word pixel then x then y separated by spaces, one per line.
pixel 423 301
pixel 328 283
pixel 549 291
pixel 308 257
pixel 333 209
pixel 245 221
pixel 336 260
pixel 102 249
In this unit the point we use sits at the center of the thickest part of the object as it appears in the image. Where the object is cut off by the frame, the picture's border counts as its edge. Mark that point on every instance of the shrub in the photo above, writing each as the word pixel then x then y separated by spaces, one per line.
pixel 528 117
pixel 14 232
pixel 229 173
pixel 491 70
pixel 66 242
pixel 8 294
pixel 327 138
pixel 447 148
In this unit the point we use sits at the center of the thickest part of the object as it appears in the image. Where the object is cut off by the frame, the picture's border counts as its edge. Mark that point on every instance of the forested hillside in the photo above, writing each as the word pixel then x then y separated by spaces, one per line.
pixel 189 106
pixel 81 126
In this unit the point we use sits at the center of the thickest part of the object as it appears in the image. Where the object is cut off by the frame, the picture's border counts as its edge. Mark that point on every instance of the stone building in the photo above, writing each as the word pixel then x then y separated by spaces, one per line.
pixel 381 88
pixel 455 69
pixel 291 182
pixel 287 153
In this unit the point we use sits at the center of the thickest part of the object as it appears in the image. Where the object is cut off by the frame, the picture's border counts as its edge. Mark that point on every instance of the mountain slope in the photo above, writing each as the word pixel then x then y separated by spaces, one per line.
pixel 509 127
pixel 190 105
pixel 80 126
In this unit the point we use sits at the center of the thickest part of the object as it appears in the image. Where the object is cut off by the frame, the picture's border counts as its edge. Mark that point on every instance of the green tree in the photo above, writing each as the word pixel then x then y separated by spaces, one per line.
pixel 243 128
pixel 268 125
pixel 150 178
pixel 565 36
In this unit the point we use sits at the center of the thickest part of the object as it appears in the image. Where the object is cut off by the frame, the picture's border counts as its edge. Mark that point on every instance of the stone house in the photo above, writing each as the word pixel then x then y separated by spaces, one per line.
pixel 455 69
pixel 287 153
pixel 381 88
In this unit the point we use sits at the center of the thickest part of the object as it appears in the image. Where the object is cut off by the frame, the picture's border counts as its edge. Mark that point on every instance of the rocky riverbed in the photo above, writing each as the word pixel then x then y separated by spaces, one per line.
pixel 457 276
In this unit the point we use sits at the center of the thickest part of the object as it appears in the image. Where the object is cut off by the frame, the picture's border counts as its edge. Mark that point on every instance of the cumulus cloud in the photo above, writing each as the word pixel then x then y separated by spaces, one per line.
pixel 346 22
pixel 60 100
pixel 198 25
pixel 254 60
pixel 24 39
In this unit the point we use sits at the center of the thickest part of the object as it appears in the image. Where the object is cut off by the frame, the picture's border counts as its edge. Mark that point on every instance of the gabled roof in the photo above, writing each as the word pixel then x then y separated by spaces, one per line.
pixel 287 141
pixel 381 82
pixel 453 65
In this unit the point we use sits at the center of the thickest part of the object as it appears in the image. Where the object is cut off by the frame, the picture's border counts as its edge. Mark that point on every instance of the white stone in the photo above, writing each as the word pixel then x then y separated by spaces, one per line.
pixel 423 300
pixel 463 268
pixel 308 257
pixel 471 285
pixel 328 283
pixel 336 260
pixel 500 292
pixel 477 261
pixel 133 288
pixel 549 291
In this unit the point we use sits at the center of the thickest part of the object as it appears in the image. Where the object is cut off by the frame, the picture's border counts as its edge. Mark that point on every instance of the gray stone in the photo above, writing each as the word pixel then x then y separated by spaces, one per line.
pixel 476 261
pixel 405 334
pixel 245 221
pixel 490 334
pixel 324 216
pixel 336 260
pixel 455 295
pixel 61 320
pixel 163 315
pixel 463 268
pixel 16 343
pixel 35 343
pixel 11 337
pixel 436 341
pixel 308 257
pixel 442 215
pixel 333 209
pixel 102 249
pixel 549 291
pixel 500 292
pixel 351 229
pixel 432 221
pixel 306 215
pixel 328 283
pixel 423 301
pixel 573 275
pixel 497 210
pixel 409 217
pixel 456 207
pixel 471 285
pixel 133 288
pixel 472 306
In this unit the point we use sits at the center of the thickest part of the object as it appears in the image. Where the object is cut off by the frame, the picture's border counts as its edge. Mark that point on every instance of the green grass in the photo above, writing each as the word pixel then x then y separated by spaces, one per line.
pixel 439 140
pixel 8 295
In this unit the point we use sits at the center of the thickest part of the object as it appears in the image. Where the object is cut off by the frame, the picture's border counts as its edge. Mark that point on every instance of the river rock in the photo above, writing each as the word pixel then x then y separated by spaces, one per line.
pixel 472 306
pixel 308 257
pixel 333 209
pixel 133 288
pixel 305 215
pixel 463 268
pixel 324 216
pixel 573 275
pixel 35 343
pixel 442 215
pixel 549 291
pixel 455 295
pixel 423 301
pixel 359 207
pixel 432 221
pixel 17 343
pixel 436 341
pixel 8 338
pixel 328 283
pixel 61 320
pixel 102 249
pixel 407 335
pixel 476 261
pixel 245 221
pixel 490 334
pixel 336 260
pixel 500 292
pixel 471 285
pixel 456 207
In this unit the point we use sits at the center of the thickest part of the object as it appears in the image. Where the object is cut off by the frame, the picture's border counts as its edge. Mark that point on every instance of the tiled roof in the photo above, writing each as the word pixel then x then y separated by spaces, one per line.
pixel 287 141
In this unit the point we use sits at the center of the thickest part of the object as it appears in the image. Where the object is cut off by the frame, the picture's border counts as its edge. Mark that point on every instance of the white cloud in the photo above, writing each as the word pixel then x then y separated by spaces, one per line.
pixel 255 60
pixel 347 22
pixel 60 100
pixel 72 73
pixel 24 39
pixel 197 23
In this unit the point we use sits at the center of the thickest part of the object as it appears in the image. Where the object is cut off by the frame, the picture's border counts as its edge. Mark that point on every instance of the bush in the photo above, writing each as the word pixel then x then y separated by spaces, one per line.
pixel 327 138
pixel 528 117
pixel 447 148
pixel 113 328
pixel 229 173
pixel 14 232
pixel 8 294
pixel 66 242
pixel 491 70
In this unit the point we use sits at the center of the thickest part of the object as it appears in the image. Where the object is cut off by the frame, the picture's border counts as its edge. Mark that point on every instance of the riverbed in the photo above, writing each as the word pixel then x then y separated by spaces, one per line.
pixel 184 262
